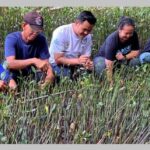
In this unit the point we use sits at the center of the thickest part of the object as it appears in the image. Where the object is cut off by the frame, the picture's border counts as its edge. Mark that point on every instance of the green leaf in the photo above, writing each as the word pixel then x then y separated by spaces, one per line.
pixel 53 108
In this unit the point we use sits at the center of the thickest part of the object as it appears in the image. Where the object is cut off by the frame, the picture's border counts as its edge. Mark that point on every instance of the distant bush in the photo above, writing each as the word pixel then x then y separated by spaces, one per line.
pixel 107 19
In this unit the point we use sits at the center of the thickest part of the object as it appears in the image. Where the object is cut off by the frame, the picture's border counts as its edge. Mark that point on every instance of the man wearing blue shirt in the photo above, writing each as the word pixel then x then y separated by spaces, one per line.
pixel 27 48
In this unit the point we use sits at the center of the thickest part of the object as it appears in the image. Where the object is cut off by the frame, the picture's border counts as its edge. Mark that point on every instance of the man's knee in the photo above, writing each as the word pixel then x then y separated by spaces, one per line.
pixel 134 62
pixel 145 57
pixel 99 65
pixel 61 71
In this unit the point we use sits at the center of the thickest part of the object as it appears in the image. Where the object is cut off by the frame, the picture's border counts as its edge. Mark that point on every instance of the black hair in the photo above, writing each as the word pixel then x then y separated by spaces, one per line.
pixel 125 20
pixel 87 16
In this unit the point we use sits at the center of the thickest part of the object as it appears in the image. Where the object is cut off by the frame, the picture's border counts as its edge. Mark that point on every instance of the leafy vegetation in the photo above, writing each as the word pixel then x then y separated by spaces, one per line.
pixel 83 111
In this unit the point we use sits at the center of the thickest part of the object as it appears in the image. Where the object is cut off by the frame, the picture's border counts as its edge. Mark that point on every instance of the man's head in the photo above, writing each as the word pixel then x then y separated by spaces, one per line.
pixel 126 28
pixel 32 26
pixel 84 23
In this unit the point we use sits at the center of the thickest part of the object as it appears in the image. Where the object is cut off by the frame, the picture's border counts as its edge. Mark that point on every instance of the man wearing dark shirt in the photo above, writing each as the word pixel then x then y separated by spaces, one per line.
pixel 121 45
pixel 28 48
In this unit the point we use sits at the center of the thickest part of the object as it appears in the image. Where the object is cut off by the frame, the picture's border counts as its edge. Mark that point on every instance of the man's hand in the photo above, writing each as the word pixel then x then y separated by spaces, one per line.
pixel 119 56
pixel 83 59
pixel 43 65
pixel 49 79
pixel 2 85
pixel 89 64
pixel 49 75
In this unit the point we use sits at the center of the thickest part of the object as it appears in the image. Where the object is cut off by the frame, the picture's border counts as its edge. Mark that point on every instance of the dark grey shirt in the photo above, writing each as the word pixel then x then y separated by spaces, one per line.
pixel 112 45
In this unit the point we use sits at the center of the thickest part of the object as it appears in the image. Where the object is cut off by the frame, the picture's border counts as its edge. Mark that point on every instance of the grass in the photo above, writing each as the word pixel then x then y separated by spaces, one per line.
pixel 85 111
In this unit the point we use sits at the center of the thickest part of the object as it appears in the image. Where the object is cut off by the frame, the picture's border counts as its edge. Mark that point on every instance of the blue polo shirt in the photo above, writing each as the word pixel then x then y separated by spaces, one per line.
pixel 16 46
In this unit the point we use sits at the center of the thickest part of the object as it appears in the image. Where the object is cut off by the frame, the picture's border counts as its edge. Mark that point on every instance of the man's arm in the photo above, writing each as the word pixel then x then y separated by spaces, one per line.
pixel 21 64
pixel 18 64
pixel 49 74
pixel 131 55
pixel 61 59
pixel 40 64
pixel 49 77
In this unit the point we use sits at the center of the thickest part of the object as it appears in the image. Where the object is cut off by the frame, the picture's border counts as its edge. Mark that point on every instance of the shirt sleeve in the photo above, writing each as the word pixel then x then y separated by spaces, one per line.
pixel 135 43
pixel 10 44
pixel 110 48
pixel 57 42
pixel 44 53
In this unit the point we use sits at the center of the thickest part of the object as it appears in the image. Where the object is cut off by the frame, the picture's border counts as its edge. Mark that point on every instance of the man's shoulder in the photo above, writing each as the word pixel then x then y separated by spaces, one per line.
pixel 63 28
pixel 113 39
pixel 14 34
pixel 113 35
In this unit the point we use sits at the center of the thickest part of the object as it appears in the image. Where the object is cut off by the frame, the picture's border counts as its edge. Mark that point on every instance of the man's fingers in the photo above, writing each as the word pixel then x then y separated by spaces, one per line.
pixel 45 67
pixel 3 87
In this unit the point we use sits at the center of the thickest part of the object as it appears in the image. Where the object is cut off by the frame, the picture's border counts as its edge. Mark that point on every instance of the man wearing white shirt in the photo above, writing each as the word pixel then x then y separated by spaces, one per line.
pixel 71 45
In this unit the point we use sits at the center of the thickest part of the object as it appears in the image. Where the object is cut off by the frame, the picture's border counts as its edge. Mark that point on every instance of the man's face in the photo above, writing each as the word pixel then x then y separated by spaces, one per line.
pixel 83 29
pixel 126 32
pixel 29 33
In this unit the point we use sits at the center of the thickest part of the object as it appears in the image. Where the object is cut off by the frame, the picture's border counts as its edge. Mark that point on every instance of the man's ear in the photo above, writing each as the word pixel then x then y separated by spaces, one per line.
pixel 23 25
pixel 77 22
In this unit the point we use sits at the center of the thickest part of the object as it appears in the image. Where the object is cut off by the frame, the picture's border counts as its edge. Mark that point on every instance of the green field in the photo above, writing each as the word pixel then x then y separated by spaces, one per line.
pixel 83 111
